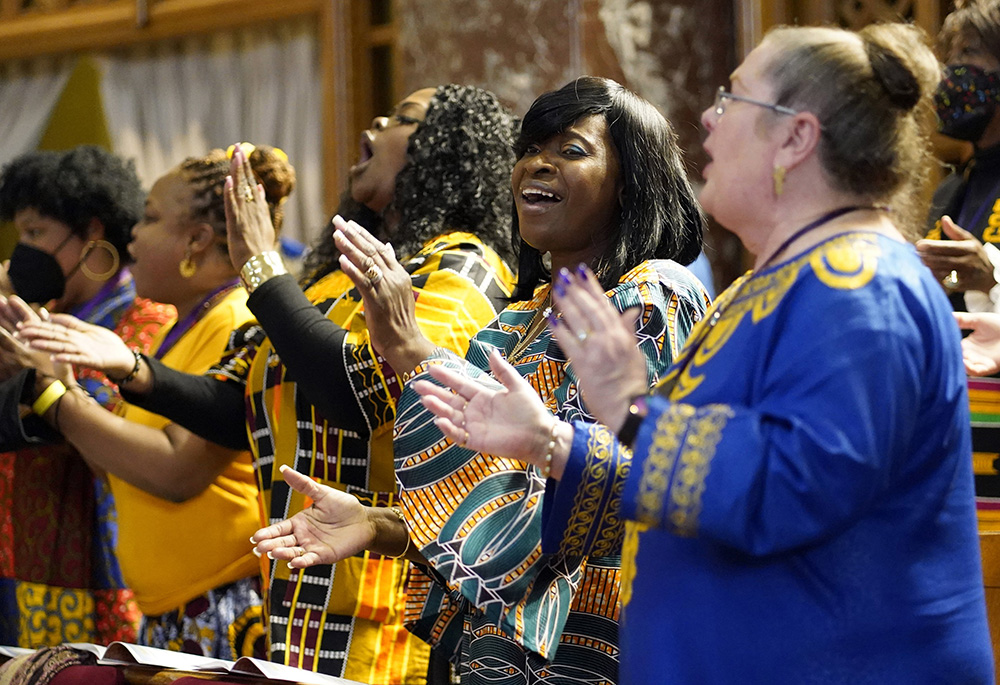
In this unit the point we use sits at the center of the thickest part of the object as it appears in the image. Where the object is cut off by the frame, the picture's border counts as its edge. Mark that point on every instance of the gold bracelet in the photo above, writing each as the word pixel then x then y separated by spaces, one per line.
pixel 49 396
pixel 402 519
pixel 260 268
pixel 547 467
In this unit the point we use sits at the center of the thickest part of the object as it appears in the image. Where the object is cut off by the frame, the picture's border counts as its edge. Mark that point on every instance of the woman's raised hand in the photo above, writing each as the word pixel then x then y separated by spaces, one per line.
pixel 509 421
pixel 71 341
pixel 601 345
pixel 335 527
pixel 981 348
pixel 248 221
pixel 387 291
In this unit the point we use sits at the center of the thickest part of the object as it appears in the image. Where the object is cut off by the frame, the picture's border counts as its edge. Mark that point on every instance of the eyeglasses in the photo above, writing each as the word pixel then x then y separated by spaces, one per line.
pixel 722 96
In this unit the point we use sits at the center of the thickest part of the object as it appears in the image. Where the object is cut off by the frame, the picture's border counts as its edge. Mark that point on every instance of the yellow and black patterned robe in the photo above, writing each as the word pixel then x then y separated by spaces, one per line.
pixel 346 619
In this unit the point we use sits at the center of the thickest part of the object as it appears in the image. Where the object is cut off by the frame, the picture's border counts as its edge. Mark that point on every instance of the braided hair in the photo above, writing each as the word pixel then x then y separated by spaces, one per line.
pixel 207 177
pixel 457 178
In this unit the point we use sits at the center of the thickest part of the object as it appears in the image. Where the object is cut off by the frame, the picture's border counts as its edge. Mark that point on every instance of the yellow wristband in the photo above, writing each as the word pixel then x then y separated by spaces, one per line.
pixel 48 397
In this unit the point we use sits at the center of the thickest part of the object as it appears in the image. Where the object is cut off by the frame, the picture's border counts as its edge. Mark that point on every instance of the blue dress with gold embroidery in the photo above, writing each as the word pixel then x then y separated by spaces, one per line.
pixel 800 510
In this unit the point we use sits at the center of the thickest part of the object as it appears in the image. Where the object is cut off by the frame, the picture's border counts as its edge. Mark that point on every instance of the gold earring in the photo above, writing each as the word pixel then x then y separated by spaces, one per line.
pixel 779 179
pixel 187 267
pixel 115 260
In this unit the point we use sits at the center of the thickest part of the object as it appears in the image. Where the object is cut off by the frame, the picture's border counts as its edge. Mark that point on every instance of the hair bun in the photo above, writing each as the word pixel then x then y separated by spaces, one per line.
pixel 270 166
pixel 899 82
pixel 904 72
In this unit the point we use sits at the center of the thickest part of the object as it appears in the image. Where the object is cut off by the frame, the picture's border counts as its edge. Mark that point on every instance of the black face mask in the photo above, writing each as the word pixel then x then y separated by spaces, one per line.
pixel 966 100
pixel 36 275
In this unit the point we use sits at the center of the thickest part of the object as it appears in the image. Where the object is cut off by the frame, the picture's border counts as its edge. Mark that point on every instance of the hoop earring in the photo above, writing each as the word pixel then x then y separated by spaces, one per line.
pixel 115 260
pixel 779 179
pixel 187 266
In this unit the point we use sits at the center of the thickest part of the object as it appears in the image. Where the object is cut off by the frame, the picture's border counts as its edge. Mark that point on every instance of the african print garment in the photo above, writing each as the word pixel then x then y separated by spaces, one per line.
pixel 506 612
pixel 800 510
pixel 59 578
pixel 347 619
pixel 224 622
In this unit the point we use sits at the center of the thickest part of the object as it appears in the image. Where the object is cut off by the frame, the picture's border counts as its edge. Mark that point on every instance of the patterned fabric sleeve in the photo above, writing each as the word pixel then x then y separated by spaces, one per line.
pixel 457 289
pixel 240 350
pixel 582 512
pixel 476 517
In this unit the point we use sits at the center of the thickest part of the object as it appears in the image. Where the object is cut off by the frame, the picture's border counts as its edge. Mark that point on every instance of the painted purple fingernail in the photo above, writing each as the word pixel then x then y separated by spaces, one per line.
pixel 560 287
pixel 552 319
pixel 581 270
pixel 564 276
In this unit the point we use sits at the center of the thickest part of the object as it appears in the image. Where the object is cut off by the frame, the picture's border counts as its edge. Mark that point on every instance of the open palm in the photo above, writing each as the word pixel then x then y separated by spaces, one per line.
pixel 981 348
pixel 335 527
pixel 507 420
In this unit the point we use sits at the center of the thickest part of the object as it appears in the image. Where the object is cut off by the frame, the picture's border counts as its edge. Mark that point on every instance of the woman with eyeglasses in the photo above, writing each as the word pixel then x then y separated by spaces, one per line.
pixel 798 501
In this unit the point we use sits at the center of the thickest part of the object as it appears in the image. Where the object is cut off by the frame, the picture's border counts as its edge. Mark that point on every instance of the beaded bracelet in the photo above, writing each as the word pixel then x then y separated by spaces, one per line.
pixel 49 396
pixel 402 519
pixel 550 448
pixel 131 374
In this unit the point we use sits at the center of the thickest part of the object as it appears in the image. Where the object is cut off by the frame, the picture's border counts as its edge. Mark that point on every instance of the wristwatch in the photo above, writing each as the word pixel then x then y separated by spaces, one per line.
pixel 637 412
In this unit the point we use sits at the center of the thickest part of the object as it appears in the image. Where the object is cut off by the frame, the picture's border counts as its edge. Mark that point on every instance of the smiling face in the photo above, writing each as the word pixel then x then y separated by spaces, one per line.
pixel 160 239
pixel 566 192
pixel 741 152
pixel 383 151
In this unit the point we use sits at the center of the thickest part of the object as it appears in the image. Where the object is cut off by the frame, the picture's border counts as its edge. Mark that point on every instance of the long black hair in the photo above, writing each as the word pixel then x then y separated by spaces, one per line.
pixel 457 178
pixel 659 216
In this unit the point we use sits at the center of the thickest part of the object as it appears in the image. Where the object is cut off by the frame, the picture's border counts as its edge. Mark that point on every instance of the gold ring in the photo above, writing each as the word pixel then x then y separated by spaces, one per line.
pixel 373 274
pixel 248 193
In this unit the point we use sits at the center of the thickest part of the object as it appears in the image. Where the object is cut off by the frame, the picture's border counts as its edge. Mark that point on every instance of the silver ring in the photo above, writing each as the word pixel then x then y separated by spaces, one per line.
pixel 951 280
pixel 582 336
pixel 373 274
pixel 248 193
